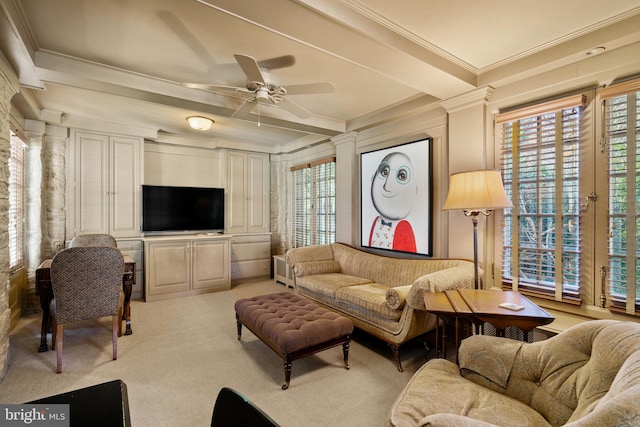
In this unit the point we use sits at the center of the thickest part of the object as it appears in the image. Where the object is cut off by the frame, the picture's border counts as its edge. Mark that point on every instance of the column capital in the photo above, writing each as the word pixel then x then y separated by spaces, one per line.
pixel 344 138
pixel 474 98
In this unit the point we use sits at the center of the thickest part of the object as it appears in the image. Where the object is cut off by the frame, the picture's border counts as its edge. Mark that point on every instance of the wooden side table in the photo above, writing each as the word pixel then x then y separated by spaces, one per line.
pixel 479 306
pixel 485 305
pixel 438 304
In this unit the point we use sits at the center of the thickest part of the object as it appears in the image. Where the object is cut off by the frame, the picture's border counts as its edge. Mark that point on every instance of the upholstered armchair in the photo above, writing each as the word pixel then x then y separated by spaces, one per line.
pixel 86 283
pixel 93 240
pixel 587 376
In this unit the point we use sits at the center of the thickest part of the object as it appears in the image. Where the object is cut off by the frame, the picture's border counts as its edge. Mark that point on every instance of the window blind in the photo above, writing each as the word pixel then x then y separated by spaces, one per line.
pixel 313 201
pixel 540 148
pixel 16 204
pixel 621 139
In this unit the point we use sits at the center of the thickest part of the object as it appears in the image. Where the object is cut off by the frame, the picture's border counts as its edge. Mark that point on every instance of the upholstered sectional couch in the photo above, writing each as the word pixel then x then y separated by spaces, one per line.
pixel 382 295
pixel 586 376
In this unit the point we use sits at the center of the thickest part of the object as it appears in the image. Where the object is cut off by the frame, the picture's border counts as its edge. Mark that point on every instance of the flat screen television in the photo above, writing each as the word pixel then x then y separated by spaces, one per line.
pixel 182 209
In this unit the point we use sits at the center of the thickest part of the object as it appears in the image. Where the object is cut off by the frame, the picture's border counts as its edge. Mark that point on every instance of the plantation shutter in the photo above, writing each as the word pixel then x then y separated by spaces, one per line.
pixel 621 142
pixel 540 149
pixel 323 178
pixel 301 197
pixel 16 204
pixel 314 213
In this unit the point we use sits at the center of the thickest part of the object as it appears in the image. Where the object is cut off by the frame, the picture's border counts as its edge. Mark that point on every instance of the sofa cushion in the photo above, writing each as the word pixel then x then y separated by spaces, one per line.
pixel 316 267
pixel 326 284
pixel 371 297
pixel 386 270
pixel 438 388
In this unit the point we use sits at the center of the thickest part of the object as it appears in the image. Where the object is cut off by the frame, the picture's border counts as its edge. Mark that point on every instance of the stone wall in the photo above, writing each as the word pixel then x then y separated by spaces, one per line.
pixel 7 90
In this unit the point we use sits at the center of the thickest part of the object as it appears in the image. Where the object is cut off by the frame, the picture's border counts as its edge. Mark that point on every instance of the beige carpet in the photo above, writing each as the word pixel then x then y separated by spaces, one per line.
pixel 184 350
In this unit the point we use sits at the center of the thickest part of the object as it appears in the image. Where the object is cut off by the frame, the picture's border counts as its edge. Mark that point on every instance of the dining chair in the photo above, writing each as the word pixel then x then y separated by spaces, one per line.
pixel 93 240
pixel 86 283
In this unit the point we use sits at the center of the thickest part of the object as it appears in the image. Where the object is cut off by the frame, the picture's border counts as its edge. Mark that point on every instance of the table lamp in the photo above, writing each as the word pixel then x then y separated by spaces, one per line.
pixel 476 192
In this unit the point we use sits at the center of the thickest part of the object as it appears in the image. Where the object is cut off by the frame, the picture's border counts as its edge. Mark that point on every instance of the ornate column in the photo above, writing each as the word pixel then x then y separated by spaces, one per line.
pixel 54 181
pixel 346 180
pixel 34 131
pixel 469 149
pixel 280 209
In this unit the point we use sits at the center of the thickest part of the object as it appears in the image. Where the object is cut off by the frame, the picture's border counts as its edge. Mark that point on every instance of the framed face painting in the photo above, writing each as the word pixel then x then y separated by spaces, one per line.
pixel 396 198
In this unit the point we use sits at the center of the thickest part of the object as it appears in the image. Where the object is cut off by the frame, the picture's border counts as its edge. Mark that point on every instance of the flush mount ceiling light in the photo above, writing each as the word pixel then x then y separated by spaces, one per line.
pixel 596 50
pixel 199 122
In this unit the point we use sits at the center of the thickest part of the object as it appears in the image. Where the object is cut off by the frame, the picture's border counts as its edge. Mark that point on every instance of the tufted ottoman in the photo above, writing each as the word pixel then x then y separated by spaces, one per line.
pixel 293 326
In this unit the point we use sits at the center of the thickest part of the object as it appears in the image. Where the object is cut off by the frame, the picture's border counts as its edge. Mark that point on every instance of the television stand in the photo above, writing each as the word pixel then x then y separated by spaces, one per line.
pixel 177 266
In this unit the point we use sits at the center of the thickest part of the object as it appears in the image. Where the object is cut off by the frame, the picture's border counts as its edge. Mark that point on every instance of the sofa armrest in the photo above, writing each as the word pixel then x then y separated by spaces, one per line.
pixel 397 296
pixel 461 276
pixel 452 420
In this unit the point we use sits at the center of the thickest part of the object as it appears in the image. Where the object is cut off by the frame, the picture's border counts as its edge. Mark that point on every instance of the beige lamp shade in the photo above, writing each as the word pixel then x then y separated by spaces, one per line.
pixel 199 122
pixel 476 191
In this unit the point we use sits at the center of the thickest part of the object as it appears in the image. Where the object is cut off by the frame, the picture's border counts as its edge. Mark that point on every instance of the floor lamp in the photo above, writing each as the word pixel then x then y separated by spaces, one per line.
pixel 475 193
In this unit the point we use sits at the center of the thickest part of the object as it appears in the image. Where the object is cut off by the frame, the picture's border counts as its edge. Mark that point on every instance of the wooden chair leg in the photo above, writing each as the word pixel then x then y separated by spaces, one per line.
pixel 117 330
pixel 54 330
pixel 59 335
pixel 120 315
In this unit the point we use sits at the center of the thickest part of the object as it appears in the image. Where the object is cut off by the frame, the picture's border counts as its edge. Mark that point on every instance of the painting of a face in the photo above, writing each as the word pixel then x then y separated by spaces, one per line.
pixel 395 197
pixel 393 189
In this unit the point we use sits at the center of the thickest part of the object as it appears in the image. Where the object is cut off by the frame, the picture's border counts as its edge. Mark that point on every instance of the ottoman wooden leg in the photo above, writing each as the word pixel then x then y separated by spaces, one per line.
pixel 345 352
pixel 239 325
pixel 287 372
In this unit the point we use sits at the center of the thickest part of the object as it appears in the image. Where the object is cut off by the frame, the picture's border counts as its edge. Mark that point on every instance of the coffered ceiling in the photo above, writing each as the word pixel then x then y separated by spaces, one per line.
pixel 124 62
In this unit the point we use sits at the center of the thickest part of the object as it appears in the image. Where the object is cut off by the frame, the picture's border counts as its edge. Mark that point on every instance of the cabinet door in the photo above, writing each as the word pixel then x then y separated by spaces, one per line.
pixel 258 193
pixel 91 183
pixel 211 264
pixel 167 267
pixel 124 184
pixel 236 218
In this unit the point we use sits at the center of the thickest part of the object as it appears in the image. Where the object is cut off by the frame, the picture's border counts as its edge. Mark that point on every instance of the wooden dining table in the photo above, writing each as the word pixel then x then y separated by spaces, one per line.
pixel 45 292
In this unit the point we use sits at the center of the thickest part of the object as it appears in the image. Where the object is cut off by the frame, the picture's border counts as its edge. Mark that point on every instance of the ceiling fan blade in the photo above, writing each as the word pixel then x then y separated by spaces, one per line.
pixel 294 109
pixel 245 108
pixel 278 62
pixel 206 86
pixel 325 87
pixel 250 68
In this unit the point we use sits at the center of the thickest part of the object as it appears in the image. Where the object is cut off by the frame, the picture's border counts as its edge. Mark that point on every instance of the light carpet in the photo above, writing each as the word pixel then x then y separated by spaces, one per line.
pixel 184 350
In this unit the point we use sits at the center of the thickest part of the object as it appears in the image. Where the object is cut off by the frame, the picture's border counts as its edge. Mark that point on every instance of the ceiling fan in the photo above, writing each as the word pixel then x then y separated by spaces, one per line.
pixel 261 89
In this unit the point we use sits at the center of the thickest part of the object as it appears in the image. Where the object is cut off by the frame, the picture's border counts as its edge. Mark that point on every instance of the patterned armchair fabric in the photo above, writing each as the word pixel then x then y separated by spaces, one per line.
pixel 588 375
pixel 86 284
pixel 93 240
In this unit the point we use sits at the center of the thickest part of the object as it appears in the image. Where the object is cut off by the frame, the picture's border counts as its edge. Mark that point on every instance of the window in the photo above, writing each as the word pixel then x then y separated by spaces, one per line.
pixel 16 203
pixel 314 203
pixel 621 145
pixel 541 164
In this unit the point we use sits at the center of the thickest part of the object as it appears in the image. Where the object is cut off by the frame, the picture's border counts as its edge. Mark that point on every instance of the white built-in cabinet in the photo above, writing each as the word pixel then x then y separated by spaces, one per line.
pixel 104 194
pixel 186 265
pixel 250 256
pixel 248 215
pixel 247 203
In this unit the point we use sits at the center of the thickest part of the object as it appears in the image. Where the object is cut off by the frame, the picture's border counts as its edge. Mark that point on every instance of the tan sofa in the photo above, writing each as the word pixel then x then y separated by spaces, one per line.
pixel 381 294
pixel 587 376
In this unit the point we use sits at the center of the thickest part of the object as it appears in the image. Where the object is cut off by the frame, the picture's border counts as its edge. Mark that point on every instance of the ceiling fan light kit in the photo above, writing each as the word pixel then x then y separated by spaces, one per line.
pixel 199 122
